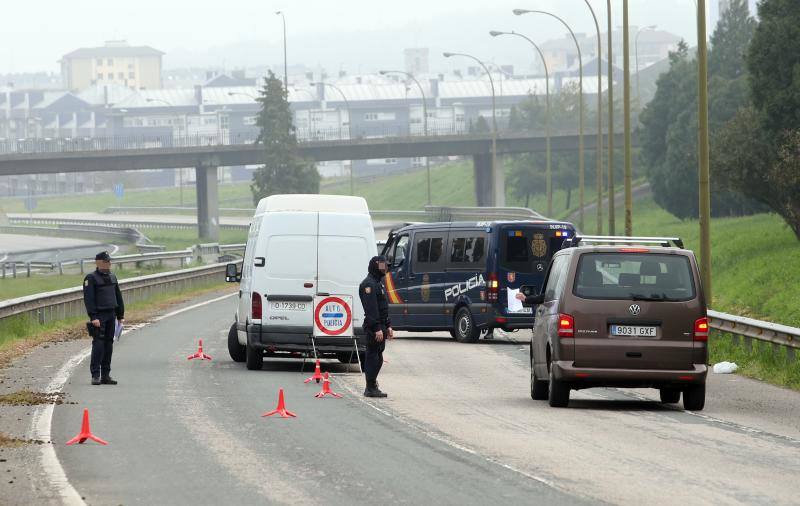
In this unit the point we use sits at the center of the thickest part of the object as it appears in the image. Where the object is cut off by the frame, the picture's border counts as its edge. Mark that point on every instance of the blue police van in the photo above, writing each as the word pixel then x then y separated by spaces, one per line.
pixel 460 276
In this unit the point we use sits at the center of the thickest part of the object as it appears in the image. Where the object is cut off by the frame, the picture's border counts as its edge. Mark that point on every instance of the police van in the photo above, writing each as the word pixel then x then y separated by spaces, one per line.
pixel 463 277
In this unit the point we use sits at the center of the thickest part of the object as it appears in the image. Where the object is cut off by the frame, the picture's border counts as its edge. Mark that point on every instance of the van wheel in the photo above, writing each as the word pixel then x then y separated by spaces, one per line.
pixel 254 358
pixel 236 350
pixel 539 388
pixel 670 395
pixel 558 392
pixel 464 327
pixel 694 398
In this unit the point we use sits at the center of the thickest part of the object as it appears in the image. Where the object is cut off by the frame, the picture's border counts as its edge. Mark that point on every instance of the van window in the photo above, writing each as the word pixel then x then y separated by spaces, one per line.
pixel 429 256
pixel 556 279
pixel 628 276
pixel 527 249
pixel 399 251
pixel 467 250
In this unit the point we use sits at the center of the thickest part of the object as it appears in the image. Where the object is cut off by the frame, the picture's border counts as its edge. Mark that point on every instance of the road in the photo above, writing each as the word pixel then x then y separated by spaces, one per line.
pixel 24 248
pixel 459 427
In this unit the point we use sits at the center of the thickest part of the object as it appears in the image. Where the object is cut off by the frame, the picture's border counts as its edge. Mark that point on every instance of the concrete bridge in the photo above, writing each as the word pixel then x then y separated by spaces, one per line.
pixel 206 159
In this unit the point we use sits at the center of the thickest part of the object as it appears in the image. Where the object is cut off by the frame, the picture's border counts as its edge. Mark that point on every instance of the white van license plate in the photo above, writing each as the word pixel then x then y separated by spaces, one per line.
pixel 633 331
pixel 288 306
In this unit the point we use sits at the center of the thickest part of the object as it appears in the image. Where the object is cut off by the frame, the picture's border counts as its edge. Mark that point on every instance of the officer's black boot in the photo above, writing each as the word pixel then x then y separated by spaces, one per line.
pixel 95 380
pixel 372 390
pixel 108 380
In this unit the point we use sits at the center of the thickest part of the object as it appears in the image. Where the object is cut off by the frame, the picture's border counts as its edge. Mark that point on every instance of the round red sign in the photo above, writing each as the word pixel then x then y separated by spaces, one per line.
pixel 333 316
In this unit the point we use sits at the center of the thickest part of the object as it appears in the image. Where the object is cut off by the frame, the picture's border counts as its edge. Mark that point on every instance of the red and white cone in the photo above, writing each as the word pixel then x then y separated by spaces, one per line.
pixel 199 354
pixel 86 432
pixel 317 374
pixel 281 409
pixel 326 389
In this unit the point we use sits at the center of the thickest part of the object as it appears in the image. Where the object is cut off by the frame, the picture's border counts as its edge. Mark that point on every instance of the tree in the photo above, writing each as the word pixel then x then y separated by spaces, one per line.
pixel 284 171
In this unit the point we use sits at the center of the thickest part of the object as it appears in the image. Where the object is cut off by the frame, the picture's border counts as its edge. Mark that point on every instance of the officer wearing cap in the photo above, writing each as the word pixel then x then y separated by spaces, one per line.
pixel 104 305
pixel 377 326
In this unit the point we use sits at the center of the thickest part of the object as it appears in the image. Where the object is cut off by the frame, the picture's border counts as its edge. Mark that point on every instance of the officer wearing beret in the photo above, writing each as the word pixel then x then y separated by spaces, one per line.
pixel 377 325
pixel 104 305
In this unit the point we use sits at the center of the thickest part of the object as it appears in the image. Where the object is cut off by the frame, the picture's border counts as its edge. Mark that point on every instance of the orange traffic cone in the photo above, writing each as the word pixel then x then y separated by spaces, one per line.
pixel 326 389
pixel 317 374
pixel 86 432
pixel 199 354
pixel 281 409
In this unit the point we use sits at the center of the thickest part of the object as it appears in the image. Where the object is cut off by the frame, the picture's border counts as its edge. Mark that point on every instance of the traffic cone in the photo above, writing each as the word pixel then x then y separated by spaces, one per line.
pixel 317 374
pixel 199 353
pixel 326 389
pixel 86 432
pixel 281 409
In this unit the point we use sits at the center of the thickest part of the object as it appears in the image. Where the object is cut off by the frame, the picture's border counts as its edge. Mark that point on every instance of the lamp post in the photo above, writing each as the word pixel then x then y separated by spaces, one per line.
pixel 636 49
pixel 285 65
pixel 548 171
pixel 599 153
pixel 349 125
pixel 611 191
pixel 235 93
pixel 424 119
pixel 180 171
pixel 626 92
pixel 581 168
pixel 703 155
pixel 498 178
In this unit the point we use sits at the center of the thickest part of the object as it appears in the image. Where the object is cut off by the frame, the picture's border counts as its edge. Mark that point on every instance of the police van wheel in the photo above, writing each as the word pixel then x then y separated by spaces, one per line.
pixel 464 327
pixel 236 350
pixel 254 358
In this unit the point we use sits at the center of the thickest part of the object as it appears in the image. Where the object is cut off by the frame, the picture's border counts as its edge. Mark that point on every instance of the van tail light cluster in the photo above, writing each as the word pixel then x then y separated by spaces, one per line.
pixel 566 325
pixel 701 329
pixel 255 306
pixel 494 287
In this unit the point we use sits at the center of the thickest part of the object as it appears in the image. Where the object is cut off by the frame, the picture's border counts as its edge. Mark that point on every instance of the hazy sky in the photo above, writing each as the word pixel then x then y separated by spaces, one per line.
pixel 355 35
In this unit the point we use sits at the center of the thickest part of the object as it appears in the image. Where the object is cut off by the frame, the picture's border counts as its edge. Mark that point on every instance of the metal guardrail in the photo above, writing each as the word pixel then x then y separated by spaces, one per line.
pixel 171 210
pixel 775 333
pixel 68 303
pixel 115 224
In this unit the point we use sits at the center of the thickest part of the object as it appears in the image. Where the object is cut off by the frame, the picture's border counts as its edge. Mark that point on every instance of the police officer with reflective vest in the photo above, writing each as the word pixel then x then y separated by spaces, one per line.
pixel 104 304
pixel 377 326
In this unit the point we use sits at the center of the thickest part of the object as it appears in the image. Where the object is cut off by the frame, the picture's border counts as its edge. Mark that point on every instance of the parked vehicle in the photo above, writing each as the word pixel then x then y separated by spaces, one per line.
pixel 623 312
pixel 299 247
pixel 461 276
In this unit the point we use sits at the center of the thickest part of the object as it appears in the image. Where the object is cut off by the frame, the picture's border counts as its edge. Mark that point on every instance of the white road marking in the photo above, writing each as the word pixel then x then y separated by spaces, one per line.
pixel 41 425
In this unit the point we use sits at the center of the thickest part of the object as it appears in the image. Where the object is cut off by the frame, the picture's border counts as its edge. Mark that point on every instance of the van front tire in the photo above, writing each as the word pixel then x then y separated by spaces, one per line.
pixel 254 358
pixel 236 350
pixel 464 327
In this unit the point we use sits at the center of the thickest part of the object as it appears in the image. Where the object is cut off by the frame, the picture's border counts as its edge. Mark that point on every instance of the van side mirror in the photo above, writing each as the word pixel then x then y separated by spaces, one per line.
pixel 535 300
pixel 232 274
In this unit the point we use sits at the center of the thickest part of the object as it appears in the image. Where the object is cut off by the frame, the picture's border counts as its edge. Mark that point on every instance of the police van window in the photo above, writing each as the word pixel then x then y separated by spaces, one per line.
pixel 467 251
pixel 398 252
pixel 429 253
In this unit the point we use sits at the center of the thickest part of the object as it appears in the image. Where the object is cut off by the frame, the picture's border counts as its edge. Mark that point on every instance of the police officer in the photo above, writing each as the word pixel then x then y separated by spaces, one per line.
pixel 377 326
pixel 104 305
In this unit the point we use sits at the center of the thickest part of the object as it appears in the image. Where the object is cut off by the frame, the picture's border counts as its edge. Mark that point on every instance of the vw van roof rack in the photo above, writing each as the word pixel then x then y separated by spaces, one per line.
pixel 615 239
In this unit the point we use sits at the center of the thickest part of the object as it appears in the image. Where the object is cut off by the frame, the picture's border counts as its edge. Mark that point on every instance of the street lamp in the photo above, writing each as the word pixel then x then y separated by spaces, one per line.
pixel 285 65
pixel 349 125
pixel 548 172
pixel 581 171
pixel 636 48
pixel 611 199
pixel 180 171
pixel 235 93
pixel 626 94
pixel 702 151
pixel 424 119
pixel 498 179
pixel 599 153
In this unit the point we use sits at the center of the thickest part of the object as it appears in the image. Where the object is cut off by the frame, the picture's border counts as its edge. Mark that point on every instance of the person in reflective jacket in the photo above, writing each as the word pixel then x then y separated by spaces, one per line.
pixel 377 326
pixel 104 305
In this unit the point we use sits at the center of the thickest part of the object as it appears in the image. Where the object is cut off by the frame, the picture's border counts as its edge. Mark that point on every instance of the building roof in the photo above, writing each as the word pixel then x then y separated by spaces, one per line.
pixel 113 51
pixel 98 94
pixel 165 97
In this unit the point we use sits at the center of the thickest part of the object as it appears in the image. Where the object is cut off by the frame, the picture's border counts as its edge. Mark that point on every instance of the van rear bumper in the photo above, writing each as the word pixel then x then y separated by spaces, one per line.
pixel 298 339
pixel 582 377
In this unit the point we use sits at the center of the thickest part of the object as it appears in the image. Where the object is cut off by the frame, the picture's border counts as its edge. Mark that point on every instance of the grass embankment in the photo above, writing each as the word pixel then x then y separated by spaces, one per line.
pixel 755 272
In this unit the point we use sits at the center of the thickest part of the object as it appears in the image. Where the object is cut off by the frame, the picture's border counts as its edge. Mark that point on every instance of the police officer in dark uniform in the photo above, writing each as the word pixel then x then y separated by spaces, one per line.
pixel 377 326
pixel 103 301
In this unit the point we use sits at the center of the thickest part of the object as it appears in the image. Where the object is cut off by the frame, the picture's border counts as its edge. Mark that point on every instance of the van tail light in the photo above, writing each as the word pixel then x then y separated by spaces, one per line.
pixel 701 329
pixel 255 306
pixel 566 326
pixel 494 287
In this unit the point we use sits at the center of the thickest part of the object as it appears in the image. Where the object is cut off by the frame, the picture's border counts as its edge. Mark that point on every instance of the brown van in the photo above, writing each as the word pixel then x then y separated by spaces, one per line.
pixel 621 312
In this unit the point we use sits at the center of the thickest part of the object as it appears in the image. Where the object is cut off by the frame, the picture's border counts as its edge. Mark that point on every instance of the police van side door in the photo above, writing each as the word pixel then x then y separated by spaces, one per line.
pixel 396 280
pixel 467 259
pixel 426 281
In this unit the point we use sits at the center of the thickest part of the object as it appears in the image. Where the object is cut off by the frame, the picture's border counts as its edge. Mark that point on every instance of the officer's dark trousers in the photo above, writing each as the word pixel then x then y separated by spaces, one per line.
pixel 373 360
pixel 103 346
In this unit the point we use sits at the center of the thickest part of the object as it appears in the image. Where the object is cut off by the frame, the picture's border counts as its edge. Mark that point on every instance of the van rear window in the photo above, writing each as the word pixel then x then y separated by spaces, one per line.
pixel 527 250
pixel 642 276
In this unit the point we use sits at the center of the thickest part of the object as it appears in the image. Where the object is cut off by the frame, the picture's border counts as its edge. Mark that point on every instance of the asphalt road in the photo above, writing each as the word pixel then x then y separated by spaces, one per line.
pixel 24 248
pixel 459 427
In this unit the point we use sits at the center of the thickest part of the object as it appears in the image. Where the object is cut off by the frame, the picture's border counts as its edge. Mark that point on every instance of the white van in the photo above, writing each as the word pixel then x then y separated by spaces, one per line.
pixel 299 247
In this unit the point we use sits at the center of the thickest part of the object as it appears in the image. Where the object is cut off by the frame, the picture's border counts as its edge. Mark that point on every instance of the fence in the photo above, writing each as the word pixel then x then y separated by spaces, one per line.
pixel 18 220
pixel 774 333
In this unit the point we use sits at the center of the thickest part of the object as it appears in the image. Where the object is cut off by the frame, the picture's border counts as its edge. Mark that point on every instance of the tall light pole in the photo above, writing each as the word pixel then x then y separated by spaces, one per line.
pixel 180 171
pixel 636 49
pixel 549 172
pixel 703 154
pixel 599 153
pixel 349 125
pixel 581 168
pixel 498 178
pixel 285 64
pixel 611 190
pixel 627 117
pixel 424 120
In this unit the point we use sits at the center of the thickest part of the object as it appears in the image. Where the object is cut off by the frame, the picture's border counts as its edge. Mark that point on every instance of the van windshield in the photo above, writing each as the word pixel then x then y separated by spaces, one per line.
pixel 634 276
pixel 528 249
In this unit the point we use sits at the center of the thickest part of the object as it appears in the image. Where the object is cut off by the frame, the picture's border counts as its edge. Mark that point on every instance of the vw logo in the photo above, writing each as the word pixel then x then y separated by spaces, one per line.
pixel 635 309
